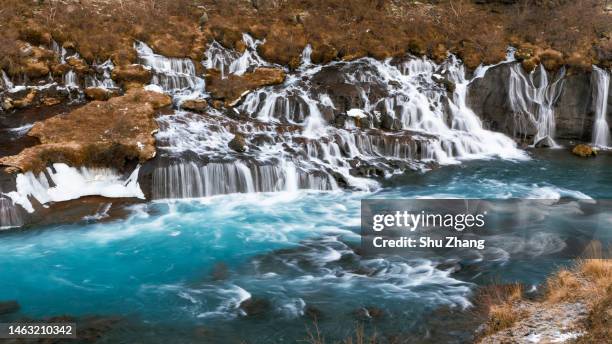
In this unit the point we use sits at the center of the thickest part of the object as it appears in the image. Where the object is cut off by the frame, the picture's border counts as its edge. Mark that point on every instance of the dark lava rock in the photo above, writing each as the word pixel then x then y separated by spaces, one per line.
pixel 255 306
pixel 546 142
pixel 238 143
pixel 8 307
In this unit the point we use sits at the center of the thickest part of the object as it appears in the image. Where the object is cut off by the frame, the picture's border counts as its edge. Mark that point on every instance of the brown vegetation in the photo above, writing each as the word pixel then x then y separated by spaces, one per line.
pixel 500 303
pixel 231 88
pixel 584 151
pixel 578 33
pixel 586 285
pixel 97 134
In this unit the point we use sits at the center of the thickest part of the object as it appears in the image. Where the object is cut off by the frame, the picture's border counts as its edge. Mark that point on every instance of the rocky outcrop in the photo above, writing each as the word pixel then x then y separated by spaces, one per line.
pixel 98 93
pixel 489 97
pixel 131 73
pixel 97 134
pixel 238 143
pixel 195 105
pixel 231 88
pixel 584 151
pixel 79 65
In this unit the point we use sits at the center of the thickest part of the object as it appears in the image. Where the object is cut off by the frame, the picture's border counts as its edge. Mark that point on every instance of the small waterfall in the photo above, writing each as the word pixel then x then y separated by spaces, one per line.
pixel 192 180
pixel 102 78
pixel 533 101
pixel 229 61
pixel 601 87
pixel 70 79
pixel 174 75
pixel 306 60
pixel 62 183
pixel 9 214
pixel 5 82
pixel 296 141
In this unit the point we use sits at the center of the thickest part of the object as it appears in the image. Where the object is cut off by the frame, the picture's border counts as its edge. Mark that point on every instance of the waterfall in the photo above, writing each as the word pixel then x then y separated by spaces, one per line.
pixel 534 101
pixel 303 134
pixel 6 83
pixel 174 75
pixel 601 87
pixel 306 60
pixel 229 61
pixel 62 183
pixel 9 214
pixel 102 78
pixel 191 180
pixel 70 79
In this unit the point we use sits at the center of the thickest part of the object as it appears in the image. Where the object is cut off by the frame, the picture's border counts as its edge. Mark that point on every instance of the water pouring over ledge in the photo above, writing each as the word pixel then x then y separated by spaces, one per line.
pixel 601 89
pixel 305 134
pixel 305 128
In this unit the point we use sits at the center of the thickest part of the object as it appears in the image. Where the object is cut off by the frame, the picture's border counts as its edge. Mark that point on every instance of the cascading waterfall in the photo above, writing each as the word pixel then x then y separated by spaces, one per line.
pixel 295 135
pixel 174 75
pixel 230 61
pixel 103 77
pixel 62 182
pixel 70 79
pixel 192 180
pixel 9 214
pixel 5 82
pixel 533 102
pixel 305 137
pixel 601 88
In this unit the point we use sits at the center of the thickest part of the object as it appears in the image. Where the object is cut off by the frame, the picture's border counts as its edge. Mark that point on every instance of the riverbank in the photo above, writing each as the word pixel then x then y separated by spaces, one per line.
pixel 575 307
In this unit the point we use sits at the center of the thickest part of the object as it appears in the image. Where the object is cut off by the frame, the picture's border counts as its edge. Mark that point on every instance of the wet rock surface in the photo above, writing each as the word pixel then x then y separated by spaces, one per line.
pixel 490 98
pixel 99 134
pixel 8 307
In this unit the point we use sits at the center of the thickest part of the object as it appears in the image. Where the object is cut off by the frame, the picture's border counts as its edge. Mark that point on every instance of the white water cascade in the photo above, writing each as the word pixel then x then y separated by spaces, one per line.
pixel 70 79
pixel 9 214
pixel 306 134
pixel 5 82
pixel 62 183
pixel 532 98
pixel 102 78
pixel 231 62
pixel 192 180
pixel 176 76
pixel 601 88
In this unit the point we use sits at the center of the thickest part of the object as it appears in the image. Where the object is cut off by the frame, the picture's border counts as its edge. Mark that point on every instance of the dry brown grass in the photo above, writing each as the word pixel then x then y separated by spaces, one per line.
pixel 562 286
pixel 314 336
pixel 337 29
pixel 499 303
pixel 588 282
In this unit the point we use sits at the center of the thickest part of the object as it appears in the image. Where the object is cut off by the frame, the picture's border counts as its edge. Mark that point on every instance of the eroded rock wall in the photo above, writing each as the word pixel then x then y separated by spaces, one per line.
pixel 574 112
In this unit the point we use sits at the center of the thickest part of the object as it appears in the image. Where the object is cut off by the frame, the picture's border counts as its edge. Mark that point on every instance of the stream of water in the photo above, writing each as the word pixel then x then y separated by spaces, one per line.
pixel 187 265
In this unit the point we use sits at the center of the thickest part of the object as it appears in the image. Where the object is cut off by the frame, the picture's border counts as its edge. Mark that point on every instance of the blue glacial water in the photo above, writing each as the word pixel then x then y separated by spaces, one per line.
pixel 178 271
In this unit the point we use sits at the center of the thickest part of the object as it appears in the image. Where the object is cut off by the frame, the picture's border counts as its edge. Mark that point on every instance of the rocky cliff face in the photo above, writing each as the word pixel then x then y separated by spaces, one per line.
pixel 571 102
